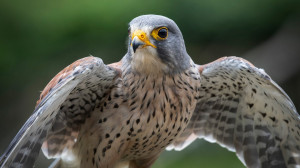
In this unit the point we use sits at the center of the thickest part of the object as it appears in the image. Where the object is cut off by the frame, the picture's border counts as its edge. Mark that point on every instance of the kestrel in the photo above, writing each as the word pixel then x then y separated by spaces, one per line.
pixel 126 113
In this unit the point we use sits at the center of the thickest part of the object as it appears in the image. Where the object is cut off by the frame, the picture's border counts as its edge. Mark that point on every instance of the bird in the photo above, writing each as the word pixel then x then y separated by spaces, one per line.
pixel 125 114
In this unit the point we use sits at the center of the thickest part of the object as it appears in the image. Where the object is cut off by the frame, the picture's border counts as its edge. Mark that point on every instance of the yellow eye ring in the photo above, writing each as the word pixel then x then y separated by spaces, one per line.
pixel 160 33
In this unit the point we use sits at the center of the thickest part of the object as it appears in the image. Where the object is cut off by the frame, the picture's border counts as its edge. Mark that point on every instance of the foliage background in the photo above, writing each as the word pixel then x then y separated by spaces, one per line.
pixel 39 38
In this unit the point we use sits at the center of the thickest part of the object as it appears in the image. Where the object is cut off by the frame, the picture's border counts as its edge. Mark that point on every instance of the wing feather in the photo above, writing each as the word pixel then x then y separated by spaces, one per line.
pixel 84 74
pixel 242 109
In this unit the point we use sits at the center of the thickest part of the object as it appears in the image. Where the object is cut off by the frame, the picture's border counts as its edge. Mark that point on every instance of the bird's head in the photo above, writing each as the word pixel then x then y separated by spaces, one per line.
pixel 156 46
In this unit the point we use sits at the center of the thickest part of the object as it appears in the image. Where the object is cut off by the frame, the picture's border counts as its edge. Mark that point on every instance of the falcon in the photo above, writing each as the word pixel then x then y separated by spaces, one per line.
pixel 156 98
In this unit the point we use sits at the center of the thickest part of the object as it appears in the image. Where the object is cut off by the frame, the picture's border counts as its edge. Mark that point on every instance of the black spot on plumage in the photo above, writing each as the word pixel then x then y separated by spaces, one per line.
pixel 131 83
pixel 148 103
pixel 103 151
pixel 278 138
pixel 108 147
pixel 61 107
pixel 72 106
pixel 116 95
pixel 145 142
pixel 250 105
pixel 132 103
pixel 272 118
pixel 173 126
pixel 186 120
pixel 145 96
pixel 263 114
pixel 234 85
pixel 153 113
pixel 286 121
pixel 133 96
pixel 133 108
pixel 171 116
pixel 116 106
pixel 154 95
pixel 179 129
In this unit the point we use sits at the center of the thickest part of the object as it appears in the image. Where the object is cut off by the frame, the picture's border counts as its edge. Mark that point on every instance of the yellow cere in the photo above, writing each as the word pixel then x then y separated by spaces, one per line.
pixel 143 37
pixel 155 35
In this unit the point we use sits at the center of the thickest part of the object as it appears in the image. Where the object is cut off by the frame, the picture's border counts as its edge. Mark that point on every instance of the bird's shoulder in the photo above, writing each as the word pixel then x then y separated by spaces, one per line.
pixel 73 69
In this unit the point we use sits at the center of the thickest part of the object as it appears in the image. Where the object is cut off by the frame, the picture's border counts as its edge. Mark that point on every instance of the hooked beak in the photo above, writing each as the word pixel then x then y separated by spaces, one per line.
pixel 139 38
pixel 136 42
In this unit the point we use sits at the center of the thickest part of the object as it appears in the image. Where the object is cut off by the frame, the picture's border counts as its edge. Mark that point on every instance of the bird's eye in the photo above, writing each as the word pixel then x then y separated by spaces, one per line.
pixel 129 30
pixel 160 33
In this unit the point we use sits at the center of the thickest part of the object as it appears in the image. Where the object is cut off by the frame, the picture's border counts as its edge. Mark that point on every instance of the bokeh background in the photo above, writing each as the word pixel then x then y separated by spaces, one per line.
pixel 39 38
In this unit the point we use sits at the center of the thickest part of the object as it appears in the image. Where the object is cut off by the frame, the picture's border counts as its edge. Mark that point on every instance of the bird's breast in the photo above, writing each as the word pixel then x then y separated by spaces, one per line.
pixel 160 110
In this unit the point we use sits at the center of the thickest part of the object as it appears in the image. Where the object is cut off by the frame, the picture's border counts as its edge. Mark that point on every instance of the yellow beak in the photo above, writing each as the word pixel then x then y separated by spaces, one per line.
pixel 140 38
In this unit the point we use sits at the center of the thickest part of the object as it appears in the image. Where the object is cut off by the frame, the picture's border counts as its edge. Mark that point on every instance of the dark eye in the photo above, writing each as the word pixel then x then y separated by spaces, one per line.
pixel 160 33
pixel 163 32
pixel 129 30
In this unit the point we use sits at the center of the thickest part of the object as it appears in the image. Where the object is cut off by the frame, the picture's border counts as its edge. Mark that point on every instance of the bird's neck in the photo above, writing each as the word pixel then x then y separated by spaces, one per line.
pixel 147 63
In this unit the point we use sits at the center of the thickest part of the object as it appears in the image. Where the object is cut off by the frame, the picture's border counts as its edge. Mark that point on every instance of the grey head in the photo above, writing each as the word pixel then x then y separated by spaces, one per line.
pixel 156 45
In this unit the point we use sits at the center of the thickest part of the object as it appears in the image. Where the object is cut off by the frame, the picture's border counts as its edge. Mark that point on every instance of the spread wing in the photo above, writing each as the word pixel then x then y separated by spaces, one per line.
pixel 242 109
pixel 64 104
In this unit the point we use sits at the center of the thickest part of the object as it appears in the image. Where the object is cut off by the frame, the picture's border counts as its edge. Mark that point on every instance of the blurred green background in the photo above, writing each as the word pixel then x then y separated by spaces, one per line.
pixel 39 38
